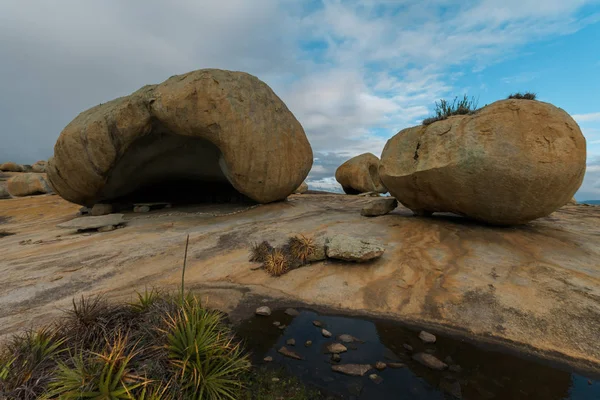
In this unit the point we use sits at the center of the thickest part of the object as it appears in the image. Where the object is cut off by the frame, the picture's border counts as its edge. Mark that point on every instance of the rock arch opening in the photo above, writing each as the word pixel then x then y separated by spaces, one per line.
pixel 163 166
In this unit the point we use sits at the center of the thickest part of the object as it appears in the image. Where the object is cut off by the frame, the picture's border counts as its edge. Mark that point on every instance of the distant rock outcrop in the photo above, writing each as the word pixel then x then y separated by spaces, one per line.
pixel 303 188
pixel 11 167
pixel 206 131
pixel 509 163
pixel 40 166
pixel 360 174
pixel 28 184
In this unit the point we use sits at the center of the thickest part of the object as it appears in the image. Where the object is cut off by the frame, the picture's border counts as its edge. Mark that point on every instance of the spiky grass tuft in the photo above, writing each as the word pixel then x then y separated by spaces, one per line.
pixel 445 109
pixel 260 251
pixel 301 248
pixel 103 375
pixel 145 300
pixel 277 262
pixel 203 355
pixel 27 363
pixel 523 96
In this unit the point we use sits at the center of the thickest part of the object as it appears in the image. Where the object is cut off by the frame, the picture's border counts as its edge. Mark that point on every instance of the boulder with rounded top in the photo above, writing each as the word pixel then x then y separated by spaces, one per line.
pixel 360 174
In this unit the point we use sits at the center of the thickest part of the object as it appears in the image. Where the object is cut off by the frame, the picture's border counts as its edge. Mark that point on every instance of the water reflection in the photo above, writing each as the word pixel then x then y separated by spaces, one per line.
pixel 483 373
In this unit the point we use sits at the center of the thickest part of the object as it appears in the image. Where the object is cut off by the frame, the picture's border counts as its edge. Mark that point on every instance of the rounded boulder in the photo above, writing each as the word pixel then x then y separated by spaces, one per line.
pixel 203 133
pixel 28 184
pixel 360 174
pixel 508 163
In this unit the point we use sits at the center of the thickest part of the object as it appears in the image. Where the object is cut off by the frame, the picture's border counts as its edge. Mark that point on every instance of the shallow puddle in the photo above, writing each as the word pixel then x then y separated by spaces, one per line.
pixel 475 372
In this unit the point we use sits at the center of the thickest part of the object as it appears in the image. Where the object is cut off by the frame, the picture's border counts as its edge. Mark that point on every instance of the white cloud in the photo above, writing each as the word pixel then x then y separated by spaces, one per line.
pixel 591 117
pixel 385 63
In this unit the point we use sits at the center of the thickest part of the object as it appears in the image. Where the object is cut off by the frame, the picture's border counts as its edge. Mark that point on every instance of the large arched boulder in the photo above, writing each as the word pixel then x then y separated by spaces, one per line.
pixel 207 131
pixel 360 174
pixel 509 163
pixel 11 167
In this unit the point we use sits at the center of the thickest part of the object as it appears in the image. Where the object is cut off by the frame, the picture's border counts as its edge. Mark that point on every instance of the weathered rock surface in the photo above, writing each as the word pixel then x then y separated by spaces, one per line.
pixel 289 353
pixel 303 188
pixel 430 361
pixel 360 174
pixel 28 184
pixel 39 166
pixel 11 167
pixel 380 206
pixel 509 163
pixel 352 369
pixel 347 248
pixel 213 130
pixel 336 348
pixel 537 285
pixel 101 209
pixel 264 311
pixel 319 253
pixel 85 223
pixel 427 337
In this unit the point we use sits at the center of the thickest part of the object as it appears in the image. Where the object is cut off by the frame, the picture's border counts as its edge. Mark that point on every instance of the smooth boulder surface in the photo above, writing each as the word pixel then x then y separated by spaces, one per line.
pixel 360 174
pixel 509 163
pixel 11 167
pixel 380 206
pixel 204 133
pixel 348 248
pixel 28 184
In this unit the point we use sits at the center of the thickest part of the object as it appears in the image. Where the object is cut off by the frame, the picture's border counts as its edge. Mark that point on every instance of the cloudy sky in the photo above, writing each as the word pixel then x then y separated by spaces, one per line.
pixel 353 72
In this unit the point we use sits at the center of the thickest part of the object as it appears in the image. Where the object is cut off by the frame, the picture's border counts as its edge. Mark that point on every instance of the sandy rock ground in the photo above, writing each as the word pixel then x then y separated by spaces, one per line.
pixel 536 286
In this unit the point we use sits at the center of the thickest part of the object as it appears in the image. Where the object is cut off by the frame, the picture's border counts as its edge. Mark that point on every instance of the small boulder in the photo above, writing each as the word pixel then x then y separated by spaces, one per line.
pixel 264 311
pixel 28 184
pixel 317 323
pixel 395 365
pixel 303 188
pixel 345 338
pixel 141 209
pixel 430 361
pixel 336 348
pixel 348 248
pixel 292 312
pixel 376 378
pixel 380 206
pixel 289 353
pixel 325 333
pixel 11 167
pixel 268 359
pixel 336 358
pixel 85 223
pixel 319 251
pixel 290 342
pixel 427 337
pixel 308 343
pixel 4 192
pixel 101 209
pixel 407 347
pixel 39 167
pixel 380 365
pixel 360 174
pixel 352 369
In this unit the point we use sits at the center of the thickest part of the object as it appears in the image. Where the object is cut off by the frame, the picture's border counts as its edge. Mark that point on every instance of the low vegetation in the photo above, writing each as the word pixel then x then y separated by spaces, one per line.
pixel 160 347
pixel 523 96
pixel 277 261
pixel 445 109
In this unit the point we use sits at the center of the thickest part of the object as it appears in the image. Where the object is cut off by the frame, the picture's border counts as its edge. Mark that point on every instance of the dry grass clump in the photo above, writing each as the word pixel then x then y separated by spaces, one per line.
pixel 277 262
pixel 445 109
pixel 260 251
pixel 301 247
pixel 523 96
